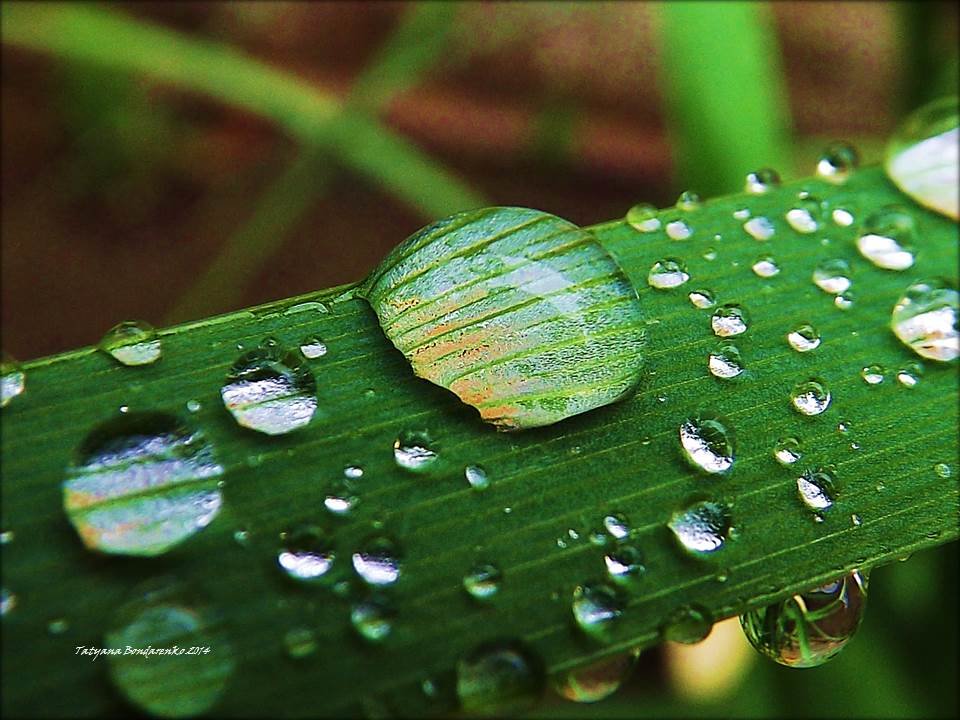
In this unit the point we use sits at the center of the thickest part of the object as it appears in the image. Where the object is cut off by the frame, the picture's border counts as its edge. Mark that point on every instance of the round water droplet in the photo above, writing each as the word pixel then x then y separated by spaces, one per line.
pixel 12 379
pixel 710 254
pixel 707 441
pixel 372 619
pixel 942 470
pixel 8 602
pixel 689 200
pixel 921 157
pixel 596 608
pixel 702 528
pixel 843 301
pixel 307 554
pixel 762 181
pixel 787 451
pixel 741 213
pixel 701 299
pixel 624 562
pixel 313 347
pixel 842 217
pixel 688 624
pixel 809 628
pixel 765 267
pixel 175 685
pixel 837 163
pixel 925 320
pixel 667 274
pixel 678 230
pixel 413 450
pixel 241 537
pixel 378 562
pixel 909 375
pixel 617 525
pixel 132 343
pixel 643 218
pixel 300 642
pixel 499 677
pixel 816 489
pixel 483 581
pixel 353 472
pixel 804 338
pixel 7 537
pixel 270 391
pixel 729 321
pixel 805 216
pixel 477 477
pixel 141 484
pixel 340 498
pixel 872 374
pixel 759 228
pixel 832 276
pixel 724 362
pixel 58 626
pixel 596 681
pixel 810 397
pixel 887 238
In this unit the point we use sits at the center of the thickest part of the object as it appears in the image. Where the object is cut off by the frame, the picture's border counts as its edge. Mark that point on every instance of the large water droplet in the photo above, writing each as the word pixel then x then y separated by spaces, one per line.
pixel 596 681
pixel 804 338
pixel 708 443
pixel 837 163
pixel 759 228
pixel 765 267
pixel 702 528
pixel 810 397
pixel 667 274
pixel 832 276
pixel 306 554
pixel 688 624
pixel 483 581
pixel 816 488
pixel 141 484
pixel 413 450
pixel 378 561
pixel 678 230
pixel 499 677
pixel 925 320
pixel 729 321
pixel 809 628
pixel 762 181
pixel 132 343
pixel 270 391
pixel 724 362
pixel 643 218
pixel 12 379
pixel 596 608
pixel 372 619
pixel 787 451
pixel 887 238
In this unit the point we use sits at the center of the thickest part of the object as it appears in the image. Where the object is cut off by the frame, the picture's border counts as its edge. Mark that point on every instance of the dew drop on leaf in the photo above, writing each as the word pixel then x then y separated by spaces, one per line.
pixel 765 267
pixel 872 374
pixel 596 608
pixel 724 362
pixel 787 451
pixel 942 470
pixel 8 602
pixel 837 163
pixel 642 217
pixel 414 450
pixel 707 441
pixel 842 217
pixel 12 379
pixel 483 580
pixel 702 528
pixel 678 230
pixel 761 181
pixel 477 477
pixel 701 299
pixel 816 488
pixel 759 228
pixel 728 321
pixel 909 375
pixel 378 561
pixel 306 554
pixel 689 201
pixel 313 347
pixel 667 274
pixel 925 320
pixel 810 397
pixel 624 562
pixel 372 619
pixel 687 624
pixel 499 677
pixel 887 238
pixel 300 642
pixel 132 343
pixel 805 216
pixel 804 338
pixel 595 681
pixel 832 276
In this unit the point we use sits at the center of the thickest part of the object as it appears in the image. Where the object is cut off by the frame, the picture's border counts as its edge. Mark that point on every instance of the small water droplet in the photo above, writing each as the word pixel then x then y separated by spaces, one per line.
pixel 596 681
pixel 678 230
pixel 340 498
pixel 617 526
pixel 58 626
pixel 856 520
pixel 724 362
pixel 710 254
pixel 413 450
pixel 832 276
pixel 8 602
pixel 942 470
pixel 804 338
pixel 741 213
pixel 887 238
pixel 12 379
pixel 241 537
pixel 643 218
pixel 6 537
pixel 844 301
pixel 808 629
pixel 596 608
pixel 624 562
pixel 708 443
pixel 925 320
pixel 816 488
pixel 842 217
pixel 499 677
pixel 378 561
pixel 667 274
pixel 810 397
pixel 132 343
pixel 300 642
pixel 805 216
pixel 477 477
pixel 372 619
pixel 270 391
pixel 307 554
pixel 762 181
pixel 313 347
pixel 872 374
pixel 353 472
pixel 765 267
pixel 483 581
pixel 837 163
pixel 729 321
pixel 688 624
pixel 787 451
pixel 701 299
pixel 909 375
pixel 702 528
pixel 759 228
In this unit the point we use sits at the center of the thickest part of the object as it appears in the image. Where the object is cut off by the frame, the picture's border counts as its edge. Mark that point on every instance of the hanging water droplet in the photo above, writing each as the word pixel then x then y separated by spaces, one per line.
pixel 832 276
pixel 132 343
pixel 921 157
pixel 708 443
pixel 759 228
pixel 413 450
pixel 300 642
pixel 595 681
pixel 667 274
pixel 643 218
pixel 270 391
pixel 872 374
pixel 702 528
pixel 617 526
pixel 729 321
pixel 378 561
pixel 499 677
pixel 805 216
pixel 372 619
pixel 765 267
pixel 307 554
pixel 141 484
pixel 804 338
pixel 837 163
pixel 483 581
pixel 808 629
pixel 175 685
pixel 942 470
pixel 842 217
pixel 477 477
pixel 909 375
pixel 313 347
pixel 787 451
pixel 12 379
pixel 762 181
pixel 816 488
pixel 688 624
pixel 678 230
pixel 724 362
pixel 596 608
pixel 701 299
pixel 8 602
pixel 810 397
pixel 925 320
pixel 887 238
pixel 624 562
